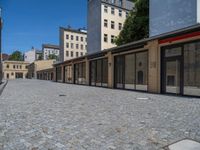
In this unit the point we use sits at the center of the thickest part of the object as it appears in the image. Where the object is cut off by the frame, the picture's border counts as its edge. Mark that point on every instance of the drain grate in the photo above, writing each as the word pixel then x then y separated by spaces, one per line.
pixel 62 95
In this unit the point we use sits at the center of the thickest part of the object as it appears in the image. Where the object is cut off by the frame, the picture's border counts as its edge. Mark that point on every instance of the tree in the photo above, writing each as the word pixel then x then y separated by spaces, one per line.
pixel 52 56
pixel 40 57
pixel 16 56
pixel 136 26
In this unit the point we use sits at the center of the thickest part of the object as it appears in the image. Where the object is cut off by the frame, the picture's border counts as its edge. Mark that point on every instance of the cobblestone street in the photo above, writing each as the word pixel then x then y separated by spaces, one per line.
pixel 42 115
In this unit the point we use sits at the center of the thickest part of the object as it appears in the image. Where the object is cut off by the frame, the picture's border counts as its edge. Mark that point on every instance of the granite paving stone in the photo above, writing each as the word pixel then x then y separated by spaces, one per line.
pixel 34 116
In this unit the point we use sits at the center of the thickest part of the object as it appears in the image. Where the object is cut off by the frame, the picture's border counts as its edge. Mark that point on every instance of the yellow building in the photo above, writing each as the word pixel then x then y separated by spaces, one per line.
pixel 15 69
pixel 36 66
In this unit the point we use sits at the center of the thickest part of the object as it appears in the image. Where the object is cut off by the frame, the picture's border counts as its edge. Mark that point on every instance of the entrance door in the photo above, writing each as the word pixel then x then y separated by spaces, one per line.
pixel 172 76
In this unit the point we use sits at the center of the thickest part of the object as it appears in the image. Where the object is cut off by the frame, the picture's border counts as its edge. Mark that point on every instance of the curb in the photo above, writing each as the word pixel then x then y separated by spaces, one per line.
pixel 2 88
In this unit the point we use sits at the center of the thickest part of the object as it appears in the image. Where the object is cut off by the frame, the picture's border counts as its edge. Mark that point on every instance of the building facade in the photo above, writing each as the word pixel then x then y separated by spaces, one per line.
pixel 73 43
pixel 36 66
pixel 167 64
pixel 166 16
pixel 15 69
pixel 33 55
pixel 49 49
pixel 105 21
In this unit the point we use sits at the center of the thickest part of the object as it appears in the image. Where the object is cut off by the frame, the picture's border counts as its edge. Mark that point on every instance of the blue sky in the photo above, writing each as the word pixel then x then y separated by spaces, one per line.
pixel 30 23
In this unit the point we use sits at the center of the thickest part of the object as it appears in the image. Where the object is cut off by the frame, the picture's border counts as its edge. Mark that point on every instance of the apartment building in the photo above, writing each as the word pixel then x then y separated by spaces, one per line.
pixel 73 43
pixel 105 21
pixel 49 49
pixel 32 55
pixel 15 69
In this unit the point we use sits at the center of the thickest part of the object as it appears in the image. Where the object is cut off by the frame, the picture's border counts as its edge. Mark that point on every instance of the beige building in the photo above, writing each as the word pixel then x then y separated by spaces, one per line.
pixel 36 66
pixel 15 69
pixel 73 43
pixel 105 21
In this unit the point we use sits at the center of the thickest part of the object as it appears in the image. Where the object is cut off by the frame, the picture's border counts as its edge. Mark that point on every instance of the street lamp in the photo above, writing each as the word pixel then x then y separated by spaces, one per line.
pixel 1 66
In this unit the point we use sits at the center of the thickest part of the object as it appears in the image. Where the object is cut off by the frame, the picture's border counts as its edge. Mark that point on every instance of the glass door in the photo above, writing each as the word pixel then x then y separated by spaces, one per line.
pixel 172 76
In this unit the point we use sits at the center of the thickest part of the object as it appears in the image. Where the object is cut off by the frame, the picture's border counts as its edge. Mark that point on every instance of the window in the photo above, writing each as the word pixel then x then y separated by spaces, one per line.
pixel 67 53
pixel 77 38
pixel 67 36
pixel 81 53
pixel 112 25
pixel 67 45
pixel 80 73
pixel 127 13
pixel 77 46
pixel 105 23
pixel 85 47
pixel 112 10
pixel 81 46
pixel 105 37
pixel 120 3
pixel 72 54
pixel 105 9
pixel 112 39
pixel 76 54
pixel 7 66
pixel 112 1
pixel 85 39
pixel 120 26
pixel 13 66
pixel 12 74
pixel 7 75
pixel 81 39
pixel 120 13
pixel 72 37
pixel 72 45
pixel 20 67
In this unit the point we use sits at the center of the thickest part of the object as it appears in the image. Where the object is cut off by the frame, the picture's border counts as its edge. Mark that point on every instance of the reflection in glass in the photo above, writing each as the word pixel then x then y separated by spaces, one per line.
pixel 130 71
pixel 173 77
pixel 68 74
pixel 141 71
pixel 192 69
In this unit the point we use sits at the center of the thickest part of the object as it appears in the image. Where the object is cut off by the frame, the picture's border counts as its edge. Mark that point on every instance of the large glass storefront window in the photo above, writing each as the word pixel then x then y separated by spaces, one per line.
pixel 80 73
pixel 192 69
pixel 68 74
pixel 58 73
pixel 131 71
pixel 99 72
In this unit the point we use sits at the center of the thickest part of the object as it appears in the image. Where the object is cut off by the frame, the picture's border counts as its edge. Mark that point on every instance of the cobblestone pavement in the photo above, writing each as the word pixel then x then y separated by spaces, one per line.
pixel 36 115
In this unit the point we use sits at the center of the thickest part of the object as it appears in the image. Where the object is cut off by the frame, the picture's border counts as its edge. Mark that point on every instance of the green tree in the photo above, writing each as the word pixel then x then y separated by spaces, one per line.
pixel 40 57
pixel 136 26
pixel 16 56
pixel 52 56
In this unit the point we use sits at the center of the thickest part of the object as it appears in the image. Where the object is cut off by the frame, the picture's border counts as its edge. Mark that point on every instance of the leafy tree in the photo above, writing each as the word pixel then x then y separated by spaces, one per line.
pixel 136 26
pixel 52 56
pixel 16 56
pixel 40 57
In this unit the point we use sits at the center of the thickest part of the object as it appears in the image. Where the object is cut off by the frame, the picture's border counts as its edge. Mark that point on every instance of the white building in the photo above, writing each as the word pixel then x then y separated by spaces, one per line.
pixel 73 43
pixel 105 21
pixel 32 55
pixel 49 49
pixel 170 15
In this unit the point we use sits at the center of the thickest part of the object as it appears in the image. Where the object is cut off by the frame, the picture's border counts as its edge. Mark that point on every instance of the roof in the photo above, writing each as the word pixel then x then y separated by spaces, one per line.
pixel 50 46
pixel 138 44
pixel 80 31
pixel 19 62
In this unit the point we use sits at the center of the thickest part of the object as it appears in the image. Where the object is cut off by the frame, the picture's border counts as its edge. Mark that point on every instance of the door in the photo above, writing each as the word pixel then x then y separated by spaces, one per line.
pixel 172 77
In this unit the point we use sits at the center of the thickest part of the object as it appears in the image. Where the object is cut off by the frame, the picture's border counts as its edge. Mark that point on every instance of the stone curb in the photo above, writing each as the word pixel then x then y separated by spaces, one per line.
pixel 2 86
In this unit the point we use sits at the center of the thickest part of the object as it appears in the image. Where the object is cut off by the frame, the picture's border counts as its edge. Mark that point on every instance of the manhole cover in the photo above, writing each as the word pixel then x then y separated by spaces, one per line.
pixel 185 145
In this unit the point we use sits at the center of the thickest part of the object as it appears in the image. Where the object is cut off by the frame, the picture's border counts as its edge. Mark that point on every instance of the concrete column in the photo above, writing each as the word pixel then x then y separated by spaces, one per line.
pixel 110 70
pixel 154 67
pixel 87 66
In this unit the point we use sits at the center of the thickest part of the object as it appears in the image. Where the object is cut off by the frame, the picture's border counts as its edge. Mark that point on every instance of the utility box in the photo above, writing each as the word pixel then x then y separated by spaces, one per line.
pixel 170 15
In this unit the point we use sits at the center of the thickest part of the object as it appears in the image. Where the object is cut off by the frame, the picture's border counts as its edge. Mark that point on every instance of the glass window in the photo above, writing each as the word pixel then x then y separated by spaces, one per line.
pixel 67 45
pixel 112 25
pixel 93 73
pixel 112 10
pixel 72 37
pixel 119 71
pixel 81 39
pixel 130 71
pixel 77 38
pixel 67 53
pixel 80 73
pixel 58 73
pixel 105 37
pixel 105 23
pixel 120 26
pixel 72 45
pixel 81 46
pixel 76 54
pixel 141 71
pixel 105 9
pixel 68 74
pixel 192 69
pixel 77 46
pixel 120 13
pixel 177 51
pixel 67 36
pixel 105 72
pixel 99 71
pixel 72 54
pixel 112 39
